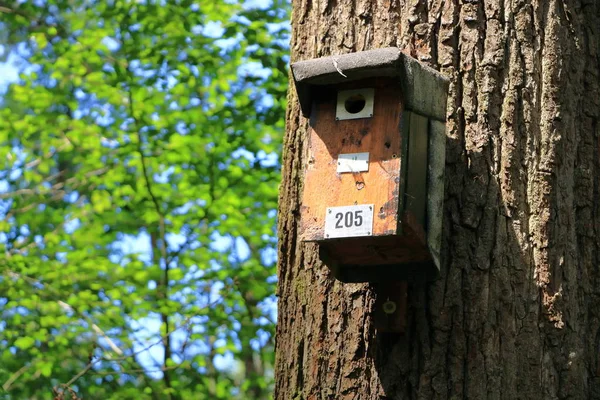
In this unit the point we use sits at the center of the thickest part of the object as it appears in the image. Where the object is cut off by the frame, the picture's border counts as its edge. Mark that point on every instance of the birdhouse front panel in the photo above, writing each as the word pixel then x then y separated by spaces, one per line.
pixel 352 180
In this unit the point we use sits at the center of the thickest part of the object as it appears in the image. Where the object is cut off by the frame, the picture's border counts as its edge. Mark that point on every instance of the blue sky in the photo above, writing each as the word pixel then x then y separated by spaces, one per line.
pixel 8 71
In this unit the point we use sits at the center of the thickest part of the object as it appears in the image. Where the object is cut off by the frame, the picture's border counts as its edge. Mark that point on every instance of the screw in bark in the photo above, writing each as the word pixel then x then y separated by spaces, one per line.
pixel 389 307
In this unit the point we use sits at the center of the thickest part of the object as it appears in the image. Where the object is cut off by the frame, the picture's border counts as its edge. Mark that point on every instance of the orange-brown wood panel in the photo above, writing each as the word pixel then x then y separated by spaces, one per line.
pixel 378 135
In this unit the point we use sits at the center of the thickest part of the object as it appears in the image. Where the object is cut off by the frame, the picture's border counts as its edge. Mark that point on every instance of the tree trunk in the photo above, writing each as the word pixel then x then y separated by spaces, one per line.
pixel 515 313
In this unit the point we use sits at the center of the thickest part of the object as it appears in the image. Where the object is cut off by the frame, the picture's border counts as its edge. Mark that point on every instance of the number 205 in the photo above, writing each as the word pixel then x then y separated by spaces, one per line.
pixel 348 219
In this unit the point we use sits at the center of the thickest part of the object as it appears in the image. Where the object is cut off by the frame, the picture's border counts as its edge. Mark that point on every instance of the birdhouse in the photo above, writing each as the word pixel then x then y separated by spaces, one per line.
pixel 374 174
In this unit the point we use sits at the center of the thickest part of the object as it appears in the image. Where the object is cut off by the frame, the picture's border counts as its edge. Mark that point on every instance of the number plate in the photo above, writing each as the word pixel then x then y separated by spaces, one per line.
pixel 353 162
pixel 349 221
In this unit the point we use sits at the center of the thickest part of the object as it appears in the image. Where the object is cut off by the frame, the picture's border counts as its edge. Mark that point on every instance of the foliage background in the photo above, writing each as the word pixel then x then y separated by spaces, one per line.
pixel 138 187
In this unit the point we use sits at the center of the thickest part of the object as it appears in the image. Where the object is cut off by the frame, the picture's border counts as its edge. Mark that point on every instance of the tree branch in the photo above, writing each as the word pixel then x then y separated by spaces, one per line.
pixel 162 235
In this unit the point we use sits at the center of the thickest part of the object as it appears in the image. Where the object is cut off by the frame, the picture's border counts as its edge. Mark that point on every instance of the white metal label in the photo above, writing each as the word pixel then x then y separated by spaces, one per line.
pixel 353 162
pixel 349 221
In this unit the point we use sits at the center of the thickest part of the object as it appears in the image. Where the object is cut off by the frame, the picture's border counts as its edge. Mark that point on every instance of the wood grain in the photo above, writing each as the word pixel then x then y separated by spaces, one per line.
pixel 378 135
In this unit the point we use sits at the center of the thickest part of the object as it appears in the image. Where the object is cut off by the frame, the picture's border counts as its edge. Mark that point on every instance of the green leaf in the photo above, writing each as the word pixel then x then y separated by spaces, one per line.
pixel 25 342
pixel 46 369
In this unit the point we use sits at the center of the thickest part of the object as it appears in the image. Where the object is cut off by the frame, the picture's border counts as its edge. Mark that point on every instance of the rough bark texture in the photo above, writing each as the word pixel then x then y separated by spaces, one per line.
pixel 516 311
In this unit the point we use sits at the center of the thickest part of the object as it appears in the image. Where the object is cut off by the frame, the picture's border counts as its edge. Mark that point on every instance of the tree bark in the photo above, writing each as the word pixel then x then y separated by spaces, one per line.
pixel 515 313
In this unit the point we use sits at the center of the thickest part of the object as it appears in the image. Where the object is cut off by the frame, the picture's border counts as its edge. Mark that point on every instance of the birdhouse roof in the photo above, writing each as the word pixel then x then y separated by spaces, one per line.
pixel 424 89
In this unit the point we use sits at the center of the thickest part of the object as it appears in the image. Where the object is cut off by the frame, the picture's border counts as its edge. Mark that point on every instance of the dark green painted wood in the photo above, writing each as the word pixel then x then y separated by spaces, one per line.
pixel 416 179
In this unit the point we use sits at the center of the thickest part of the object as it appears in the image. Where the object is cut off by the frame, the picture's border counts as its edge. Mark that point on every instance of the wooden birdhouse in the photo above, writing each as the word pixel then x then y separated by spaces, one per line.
pixel 374 177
